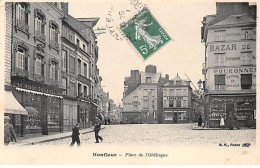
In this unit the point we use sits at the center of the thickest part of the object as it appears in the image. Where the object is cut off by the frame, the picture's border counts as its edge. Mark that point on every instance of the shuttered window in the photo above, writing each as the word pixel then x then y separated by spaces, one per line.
pixel 220 82
pixel 246 81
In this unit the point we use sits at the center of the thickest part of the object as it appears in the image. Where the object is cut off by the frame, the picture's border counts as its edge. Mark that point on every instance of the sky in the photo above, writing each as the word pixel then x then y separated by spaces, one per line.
pixel 181 20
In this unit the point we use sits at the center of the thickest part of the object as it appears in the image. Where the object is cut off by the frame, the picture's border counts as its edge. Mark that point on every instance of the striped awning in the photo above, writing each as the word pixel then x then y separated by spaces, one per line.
pixel 12 106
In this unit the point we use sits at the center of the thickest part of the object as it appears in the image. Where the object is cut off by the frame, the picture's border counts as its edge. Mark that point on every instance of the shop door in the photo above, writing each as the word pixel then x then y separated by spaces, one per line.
pixel 175 117
pixel 230 108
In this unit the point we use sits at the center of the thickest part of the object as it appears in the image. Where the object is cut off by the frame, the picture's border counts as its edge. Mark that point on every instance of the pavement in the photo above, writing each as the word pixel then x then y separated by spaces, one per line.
pixel 32 139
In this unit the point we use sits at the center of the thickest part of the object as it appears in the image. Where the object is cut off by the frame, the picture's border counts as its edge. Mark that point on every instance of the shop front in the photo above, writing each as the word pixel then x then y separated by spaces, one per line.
pixel 44 107
pixel 84 109
pixel 15 111
pixel 132 117
pixel 174 116
pixel 242 106
pixel 70 116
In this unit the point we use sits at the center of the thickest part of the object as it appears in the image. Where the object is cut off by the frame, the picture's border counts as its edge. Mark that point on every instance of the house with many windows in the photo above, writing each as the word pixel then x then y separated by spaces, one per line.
pixel 79 70
pixel 177 101
pixel 230 63
pixel 35 66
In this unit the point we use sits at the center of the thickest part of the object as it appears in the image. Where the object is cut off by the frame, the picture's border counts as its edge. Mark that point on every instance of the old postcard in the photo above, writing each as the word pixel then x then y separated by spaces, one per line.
pixel 132 82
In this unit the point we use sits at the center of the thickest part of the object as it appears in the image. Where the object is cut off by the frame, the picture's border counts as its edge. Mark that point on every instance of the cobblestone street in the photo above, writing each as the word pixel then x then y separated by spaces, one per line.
pixel 164 134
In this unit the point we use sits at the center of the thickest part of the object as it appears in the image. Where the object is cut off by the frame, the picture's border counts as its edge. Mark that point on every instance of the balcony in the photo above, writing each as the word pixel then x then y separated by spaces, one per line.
pixel 54 45
pixel 40 36
pixel 54 82
pixel 39 78
pixel 21 25
pixel 21 72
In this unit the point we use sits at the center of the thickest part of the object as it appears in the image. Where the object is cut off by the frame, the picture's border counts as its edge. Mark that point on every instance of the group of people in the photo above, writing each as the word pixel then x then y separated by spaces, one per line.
pixel 228 122
pixel 97 128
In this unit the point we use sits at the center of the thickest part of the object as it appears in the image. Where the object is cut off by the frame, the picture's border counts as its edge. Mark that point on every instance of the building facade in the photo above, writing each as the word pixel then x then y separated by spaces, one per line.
pixel 177 101
pixel 140 104
pixel 79 71
pixel 230 63
pixel 35 65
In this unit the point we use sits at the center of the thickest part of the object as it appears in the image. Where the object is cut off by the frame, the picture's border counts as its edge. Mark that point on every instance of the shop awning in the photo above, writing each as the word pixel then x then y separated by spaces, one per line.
pixel 12 106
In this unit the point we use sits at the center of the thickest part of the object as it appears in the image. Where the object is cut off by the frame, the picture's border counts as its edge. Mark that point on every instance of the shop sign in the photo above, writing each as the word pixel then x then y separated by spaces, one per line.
pixel 228 47
pixel 243 70
pixel 174 98
pixel 35 88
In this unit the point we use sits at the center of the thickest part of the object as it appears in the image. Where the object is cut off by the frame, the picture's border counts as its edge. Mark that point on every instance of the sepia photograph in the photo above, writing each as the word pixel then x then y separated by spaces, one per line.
pixel 131 82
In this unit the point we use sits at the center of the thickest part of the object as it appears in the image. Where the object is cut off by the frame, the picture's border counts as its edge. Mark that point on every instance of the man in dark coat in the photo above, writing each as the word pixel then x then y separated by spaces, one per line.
pixel 9 134
pixel 75 135
pixel 200 121
pixel 97 128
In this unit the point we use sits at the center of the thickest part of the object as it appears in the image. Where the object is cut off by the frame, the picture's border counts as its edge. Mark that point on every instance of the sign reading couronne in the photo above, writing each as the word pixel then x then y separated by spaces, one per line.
pixel 145 33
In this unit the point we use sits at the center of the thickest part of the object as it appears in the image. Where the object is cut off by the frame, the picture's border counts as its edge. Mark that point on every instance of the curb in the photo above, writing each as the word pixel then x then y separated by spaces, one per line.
pixel 53 139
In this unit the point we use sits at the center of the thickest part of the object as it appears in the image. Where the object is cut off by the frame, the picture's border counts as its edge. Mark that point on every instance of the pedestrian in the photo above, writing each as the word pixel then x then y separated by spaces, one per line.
pixel 200 121
pixel 222 122
pixel 97 128
pixel 230 122
pixel 75 135
pixel 9 134
pixel 235 120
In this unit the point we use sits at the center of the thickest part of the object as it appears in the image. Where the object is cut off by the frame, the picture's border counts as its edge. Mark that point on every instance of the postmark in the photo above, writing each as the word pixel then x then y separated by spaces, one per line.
pixel 145 33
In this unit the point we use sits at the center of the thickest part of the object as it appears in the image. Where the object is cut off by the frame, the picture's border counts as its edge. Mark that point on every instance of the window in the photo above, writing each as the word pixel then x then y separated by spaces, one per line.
pixel 20 59
pixel 168 115
pixel 247 34
pixel 71 36
pixel 165 103
pixel 220 36
pixel 178 83
pixel 53 71
pixel 145 92
pixel 148 80
pixel 72 89
pixel 219 59
pixel 185 92
pixel 171 92
pixel 85 91
pixel 22 12
pixel 185 103
pixel 246 81
pixel 64 60
pixel 72 65
pixel 64 31
pixel 92 70
pixel 145 104
pixel 220 82
pixel 78 42
pixel 79 89
pixel 171 83
pixel 170 103
pixel 38 65
pixel 182 115
pixel 178 103
pixel 165 92
pixel 84 47
pixel 64 85
pixel 40 22
pixel 178 92
pixel 85 70
pixel 152 92
pixel 79 67
pixel 246 58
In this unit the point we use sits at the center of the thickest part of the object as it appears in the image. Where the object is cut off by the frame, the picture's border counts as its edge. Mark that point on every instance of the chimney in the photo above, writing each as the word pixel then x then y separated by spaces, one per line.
pixel 65 7
pixel 166 78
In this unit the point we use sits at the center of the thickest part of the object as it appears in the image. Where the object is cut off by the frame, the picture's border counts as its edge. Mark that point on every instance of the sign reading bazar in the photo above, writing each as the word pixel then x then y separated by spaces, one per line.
pixel 242 70
pixel 227 47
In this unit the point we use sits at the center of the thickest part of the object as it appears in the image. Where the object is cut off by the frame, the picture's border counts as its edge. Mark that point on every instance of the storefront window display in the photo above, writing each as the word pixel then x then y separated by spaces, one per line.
pixel 32 121
pixel 182 115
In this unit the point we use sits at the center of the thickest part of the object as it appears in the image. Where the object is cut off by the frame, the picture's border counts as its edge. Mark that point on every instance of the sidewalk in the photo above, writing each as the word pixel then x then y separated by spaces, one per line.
pixel 195 127
pixel 32 139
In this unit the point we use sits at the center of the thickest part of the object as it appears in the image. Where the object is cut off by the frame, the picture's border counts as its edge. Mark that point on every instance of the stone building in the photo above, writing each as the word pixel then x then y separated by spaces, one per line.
pixel 230 63
pixel 79 70
pixel 140 101
pixel 36 64
pixel 177 101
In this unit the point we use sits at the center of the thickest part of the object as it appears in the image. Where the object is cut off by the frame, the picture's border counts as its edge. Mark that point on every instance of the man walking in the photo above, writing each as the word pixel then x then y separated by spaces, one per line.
pixel 75 135
pixel 8 131
pixel 97 128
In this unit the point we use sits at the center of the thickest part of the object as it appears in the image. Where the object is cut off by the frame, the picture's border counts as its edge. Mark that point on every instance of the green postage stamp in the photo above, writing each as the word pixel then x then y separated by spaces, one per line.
pixel 145 33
